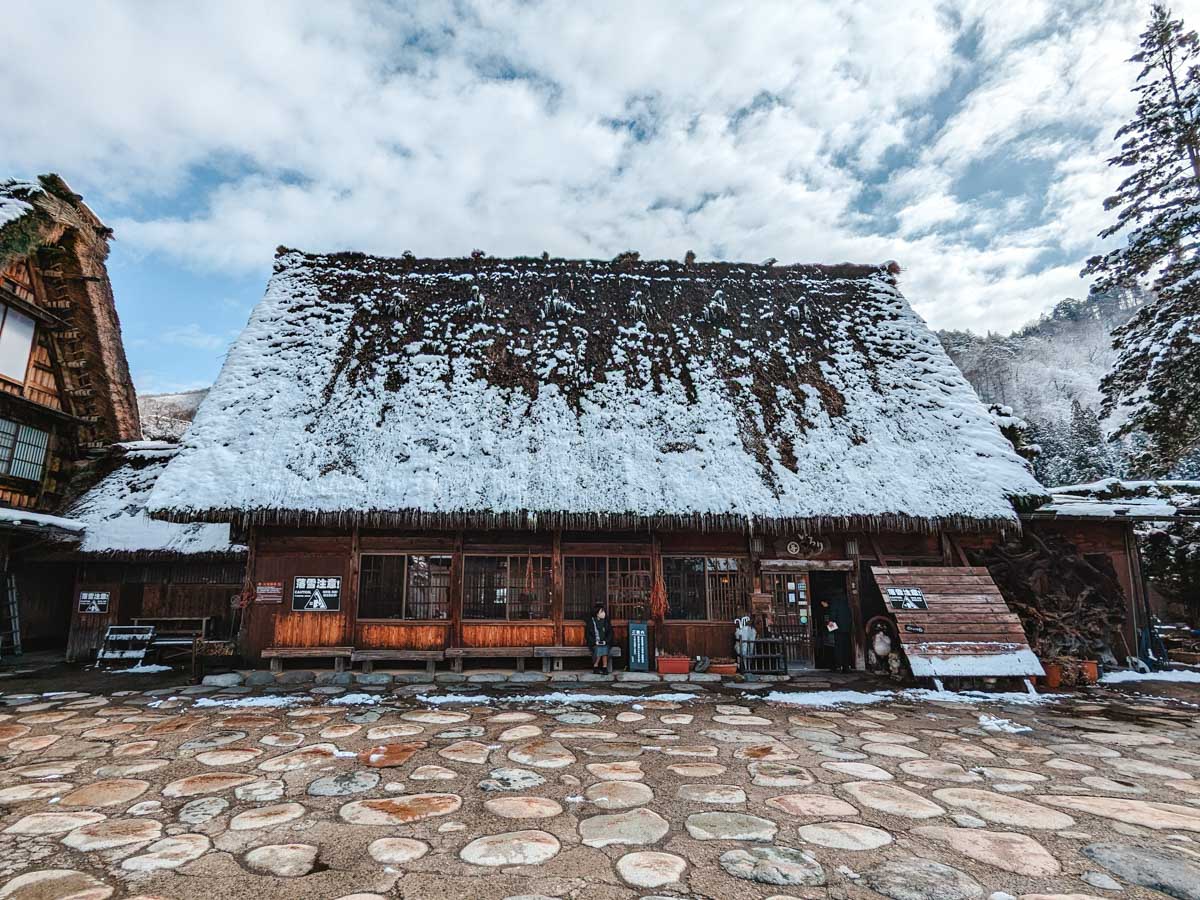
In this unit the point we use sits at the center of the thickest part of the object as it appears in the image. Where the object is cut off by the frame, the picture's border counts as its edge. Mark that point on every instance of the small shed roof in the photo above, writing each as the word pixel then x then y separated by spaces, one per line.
pixel 537 393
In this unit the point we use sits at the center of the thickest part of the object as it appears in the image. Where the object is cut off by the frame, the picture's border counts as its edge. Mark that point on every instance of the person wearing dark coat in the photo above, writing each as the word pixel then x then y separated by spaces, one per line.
pixel 599 638
pixel 838 624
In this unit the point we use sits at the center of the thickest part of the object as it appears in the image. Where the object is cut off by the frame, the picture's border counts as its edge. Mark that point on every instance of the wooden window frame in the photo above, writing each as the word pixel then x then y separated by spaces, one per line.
pixel 608 594
pixel 547 570
pixel 405 554
pixel 5 308
pixel 744 570
pixel 8 455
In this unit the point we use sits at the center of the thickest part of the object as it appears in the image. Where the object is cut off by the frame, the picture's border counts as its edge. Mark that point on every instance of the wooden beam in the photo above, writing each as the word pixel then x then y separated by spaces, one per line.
pixel 455 636
pixel 557 586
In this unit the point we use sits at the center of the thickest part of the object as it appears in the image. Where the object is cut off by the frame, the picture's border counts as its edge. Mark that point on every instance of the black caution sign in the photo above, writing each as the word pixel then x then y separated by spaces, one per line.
pixel 93 602
pixel 317 593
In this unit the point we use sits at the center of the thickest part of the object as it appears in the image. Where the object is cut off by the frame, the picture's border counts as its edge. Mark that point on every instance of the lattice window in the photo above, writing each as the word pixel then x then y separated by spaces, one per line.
pixel 393 586
pixel 516 588
pixel 22 450
pixel 621 583
pixel 706 588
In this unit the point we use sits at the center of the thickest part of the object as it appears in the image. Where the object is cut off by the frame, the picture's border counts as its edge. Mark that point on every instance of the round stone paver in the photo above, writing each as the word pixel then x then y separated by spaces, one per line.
pixel 232 757
pixel 283 860
pixel 845 835
pixel 619 794
pixel 774 865
pixel 265 790
pixel 812 806
pixel 1157 816
pixel 197 812
pixel 388 732
pixel 696 770
pixel 921 879
pixel 469 752
pixel 206 783
pixel 435 716
pixel 401 810
pixel 511 780
pixel 432 773
pixel 523 807
pixel 169 853
pixel 780 774
pixel 724 794
pixel 519 733
pixel 1004 810
pixel 113 833
pixel 729 826
pixel 55 884
pixel 386 756
pixel 213 740
pixel 266 817
pixel 343 784
pixel 1012 852
pixel 514 848
pixel 624 770
pixel 53 822
pixel 282 739
pixel 937 770
pixel 106 793
pixel 542 754
pixel 312 755
pixel 638 826
pixel 396 851
pixel 22 793
pixel 890 799
pixel 651 868
pixel 859 770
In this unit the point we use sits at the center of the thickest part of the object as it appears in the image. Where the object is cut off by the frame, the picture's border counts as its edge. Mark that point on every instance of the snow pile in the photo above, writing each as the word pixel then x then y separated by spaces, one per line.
pixel 1183 676
pixel 557 697
pixel 12 209
pixel 529 390
pixel 997 725
pixel 864 698
pixel 20 518
pixel 268 702
pixel 114 511
pixel 140 669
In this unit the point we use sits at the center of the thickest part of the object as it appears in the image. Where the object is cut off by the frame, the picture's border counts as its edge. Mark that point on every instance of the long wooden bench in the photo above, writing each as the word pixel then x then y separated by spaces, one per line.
pixel 456 655
pixel 369 657
pixel 278 654
pixel 552 657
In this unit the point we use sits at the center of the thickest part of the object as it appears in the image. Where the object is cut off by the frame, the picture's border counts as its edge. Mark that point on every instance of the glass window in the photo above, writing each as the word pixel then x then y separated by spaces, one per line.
pixel 700 588
pixel 22 450
pixel 516 588
pixel 16 340
pixel 393 586
pixel 622 583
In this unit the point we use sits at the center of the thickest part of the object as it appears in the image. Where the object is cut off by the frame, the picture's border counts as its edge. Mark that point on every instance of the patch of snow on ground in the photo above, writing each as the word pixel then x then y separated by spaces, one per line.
pixel 139 669
pixel 862 698
pixel 358 699
pixel 829 698
pixel 556 697
pixel 1182 675
pixel 273 702
pixel 995 724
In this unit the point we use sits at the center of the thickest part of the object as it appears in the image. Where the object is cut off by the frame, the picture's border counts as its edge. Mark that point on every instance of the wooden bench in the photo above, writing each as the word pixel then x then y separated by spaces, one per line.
pixel 369 657
pixel 552 657
pixel 456 655
pixel 128 643
pixel 278 654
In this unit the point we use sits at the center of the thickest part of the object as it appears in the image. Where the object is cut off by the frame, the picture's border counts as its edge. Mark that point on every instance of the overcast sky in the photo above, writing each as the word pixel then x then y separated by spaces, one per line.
pixel 964 139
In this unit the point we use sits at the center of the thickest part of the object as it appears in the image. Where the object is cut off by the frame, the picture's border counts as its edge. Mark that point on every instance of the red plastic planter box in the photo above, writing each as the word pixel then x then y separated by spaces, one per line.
pixel 674 665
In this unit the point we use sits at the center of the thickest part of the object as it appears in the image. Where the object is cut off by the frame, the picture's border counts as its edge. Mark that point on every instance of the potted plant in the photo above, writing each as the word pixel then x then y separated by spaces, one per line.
pixel 1053 677
pixel 673 665
pixel 724 667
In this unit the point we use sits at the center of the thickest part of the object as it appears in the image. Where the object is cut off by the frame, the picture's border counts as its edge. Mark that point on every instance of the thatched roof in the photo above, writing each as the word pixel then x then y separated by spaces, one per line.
pixel 586 394
pixel 50 224
pixel 113 513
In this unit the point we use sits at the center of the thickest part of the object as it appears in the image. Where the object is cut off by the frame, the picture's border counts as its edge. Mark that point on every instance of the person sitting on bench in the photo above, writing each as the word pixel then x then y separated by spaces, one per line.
pixel 599 638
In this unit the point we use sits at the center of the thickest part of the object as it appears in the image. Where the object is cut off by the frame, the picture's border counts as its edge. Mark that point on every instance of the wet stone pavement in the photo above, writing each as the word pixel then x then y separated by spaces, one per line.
pixel 665 792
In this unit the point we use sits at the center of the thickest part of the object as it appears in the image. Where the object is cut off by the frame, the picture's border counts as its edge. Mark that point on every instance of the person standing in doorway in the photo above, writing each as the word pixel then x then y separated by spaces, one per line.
pixel 599 638
pixel 838 623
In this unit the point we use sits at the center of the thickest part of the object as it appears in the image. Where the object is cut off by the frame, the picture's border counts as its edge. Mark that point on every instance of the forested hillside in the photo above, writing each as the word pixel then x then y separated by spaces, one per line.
pixel 1049 373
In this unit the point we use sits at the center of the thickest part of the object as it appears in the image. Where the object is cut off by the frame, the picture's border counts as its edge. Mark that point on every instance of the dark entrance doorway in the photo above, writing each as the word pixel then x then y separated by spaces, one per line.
pixel 835 647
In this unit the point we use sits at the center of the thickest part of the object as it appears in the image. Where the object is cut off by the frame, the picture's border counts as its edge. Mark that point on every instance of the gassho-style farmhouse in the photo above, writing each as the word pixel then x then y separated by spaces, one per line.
pixel 453 459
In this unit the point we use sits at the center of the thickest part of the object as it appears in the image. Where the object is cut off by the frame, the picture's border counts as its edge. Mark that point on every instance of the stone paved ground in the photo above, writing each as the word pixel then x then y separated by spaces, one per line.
pixel 200 792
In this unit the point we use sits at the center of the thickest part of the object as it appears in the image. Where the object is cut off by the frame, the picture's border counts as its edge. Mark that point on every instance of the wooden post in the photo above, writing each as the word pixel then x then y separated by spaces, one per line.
pixel 351 614
pixel 454 636
pixel 855 597
pixel 557 587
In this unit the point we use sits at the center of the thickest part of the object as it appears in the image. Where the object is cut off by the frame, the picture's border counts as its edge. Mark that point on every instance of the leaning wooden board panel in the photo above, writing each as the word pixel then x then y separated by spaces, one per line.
pixel 954 623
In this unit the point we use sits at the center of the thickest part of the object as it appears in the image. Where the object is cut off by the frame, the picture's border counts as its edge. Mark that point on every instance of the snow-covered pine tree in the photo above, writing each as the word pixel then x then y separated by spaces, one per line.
pixel 1154 386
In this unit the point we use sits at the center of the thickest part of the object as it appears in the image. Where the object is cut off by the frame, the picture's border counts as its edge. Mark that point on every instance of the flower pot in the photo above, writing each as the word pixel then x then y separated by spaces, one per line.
pixel 674 665
pixel 1053 677
pixel 1090 669
pixel 723 668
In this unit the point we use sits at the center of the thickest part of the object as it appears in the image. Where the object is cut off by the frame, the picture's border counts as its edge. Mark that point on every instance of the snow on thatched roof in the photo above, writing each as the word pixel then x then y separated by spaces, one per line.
pixel 587 394
pixel 114 515
pixel 1117 498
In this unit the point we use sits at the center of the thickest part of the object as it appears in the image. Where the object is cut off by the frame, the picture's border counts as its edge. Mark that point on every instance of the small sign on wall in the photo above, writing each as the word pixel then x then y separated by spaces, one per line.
pixel 317 593
pixel 907 598
pixel 93 602
pixel 268 592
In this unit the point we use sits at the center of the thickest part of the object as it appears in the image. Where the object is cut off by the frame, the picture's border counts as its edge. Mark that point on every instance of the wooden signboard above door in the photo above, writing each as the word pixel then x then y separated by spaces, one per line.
pixel 953 623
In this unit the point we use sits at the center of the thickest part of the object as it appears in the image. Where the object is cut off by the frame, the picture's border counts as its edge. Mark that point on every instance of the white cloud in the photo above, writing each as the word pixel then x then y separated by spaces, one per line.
pixel 194 337
pixel 811 131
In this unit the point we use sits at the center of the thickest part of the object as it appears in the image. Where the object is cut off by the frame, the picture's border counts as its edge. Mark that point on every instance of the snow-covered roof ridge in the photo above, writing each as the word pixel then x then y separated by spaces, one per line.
pixel 590 394
pixel 1116 497
pixel 114 513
